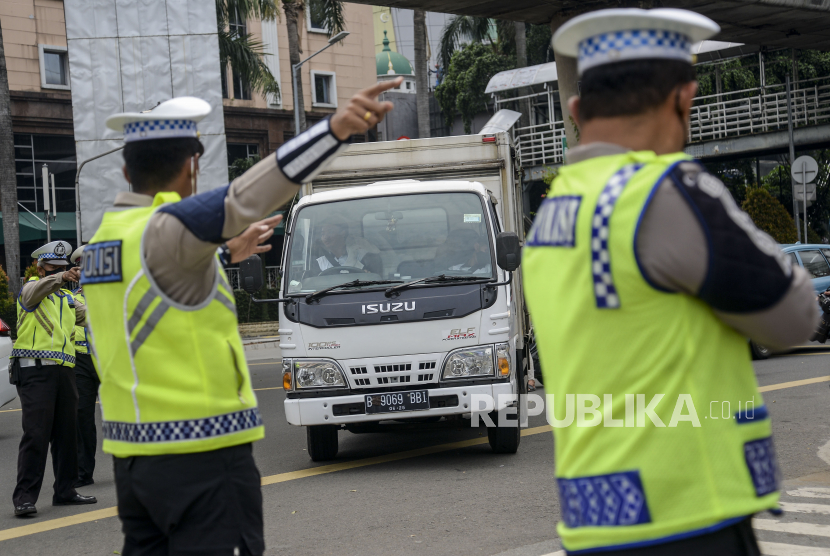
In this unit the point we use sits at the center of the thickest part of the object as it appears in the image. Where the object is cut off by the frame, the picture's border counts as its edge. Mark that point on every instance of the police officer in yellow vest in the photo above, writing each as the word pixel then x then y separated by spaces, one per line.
pixel 86 379
pixel 178 407
pixel 45 353
pixel 644 280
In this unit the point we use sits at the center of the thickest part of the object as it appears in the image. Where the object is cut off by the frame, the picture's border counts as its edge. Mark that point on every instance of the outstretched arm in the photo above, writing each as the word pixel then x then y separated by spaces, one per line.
pixel 181 238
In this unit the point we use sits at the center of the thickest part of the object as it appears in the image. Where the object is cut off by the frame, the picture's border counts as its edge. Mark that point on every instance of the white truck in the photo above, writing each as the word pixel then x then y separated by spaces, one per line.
pixel 401 299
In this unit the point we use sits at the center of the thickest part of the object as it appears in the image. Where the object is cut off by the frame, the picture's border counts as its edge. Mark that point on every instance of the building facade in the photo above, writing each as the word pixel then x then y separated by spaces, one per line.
pixel 35 42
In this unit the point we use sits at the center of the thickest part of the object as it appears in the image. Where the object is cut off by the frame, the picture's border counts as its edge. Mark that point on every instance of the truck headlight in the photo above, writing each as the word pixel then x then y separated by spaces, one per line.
pixel 317 374
pixel 474 362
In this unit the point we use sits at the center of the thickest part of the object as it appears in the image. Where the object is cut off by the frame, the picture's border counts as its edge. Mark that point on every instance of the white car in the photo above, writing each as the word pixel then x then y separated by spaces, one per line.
pixel 7 391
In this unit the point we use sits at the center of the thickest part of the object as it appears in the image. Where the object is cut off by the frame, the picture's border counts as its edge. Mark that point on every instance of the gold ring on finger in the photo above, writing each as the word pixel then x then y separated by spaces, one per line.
pixel 367 115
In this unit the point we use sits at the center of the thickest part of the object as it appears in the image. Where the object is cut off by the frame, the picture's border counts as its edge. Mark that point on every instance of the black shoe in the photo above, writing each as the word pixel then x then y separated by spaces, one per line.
pixel 84 482
pixel 25 508
pixel 76 500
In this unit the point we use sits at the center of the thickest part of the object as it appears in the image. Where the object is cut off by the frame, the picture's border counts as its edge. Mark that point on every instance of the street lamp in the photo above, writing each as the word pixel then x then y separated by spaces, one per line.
pixel 295 70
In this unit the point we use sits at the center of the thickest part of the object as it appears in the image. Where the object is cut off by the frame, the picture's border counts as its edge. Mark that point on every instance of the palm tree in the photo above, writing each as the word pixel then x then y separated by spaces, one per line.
pixel 421 74
pixel 242 51
pixel 8 179
pixel 330 13
pixel 462 28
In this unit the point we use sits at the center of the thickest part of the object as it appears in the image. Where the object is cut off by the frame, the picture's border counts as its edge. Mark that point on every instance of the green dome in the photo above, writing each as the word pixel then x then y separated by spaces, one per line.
pixel 391 63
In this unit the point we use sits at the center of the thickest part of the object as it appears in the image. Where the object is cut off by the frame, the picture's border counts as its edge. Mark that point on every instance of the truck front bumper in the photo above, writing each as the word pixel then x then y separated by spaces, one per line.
pixel 338 410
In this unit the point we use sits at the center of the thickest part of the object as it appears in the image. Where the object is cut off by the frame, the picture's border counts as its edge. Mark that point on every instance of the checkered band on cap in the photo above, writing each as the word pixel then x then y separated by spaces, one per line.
pixel 632 45
pixel 159 129
pixel 49 256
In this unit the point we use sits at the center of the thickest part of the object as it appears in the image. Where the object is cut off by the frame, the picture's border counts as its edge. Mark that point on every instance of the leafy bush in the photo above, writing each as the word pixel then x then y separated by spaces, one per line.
pixel 8 307
pixel 31 271
pixel 241 165
pixel 769 215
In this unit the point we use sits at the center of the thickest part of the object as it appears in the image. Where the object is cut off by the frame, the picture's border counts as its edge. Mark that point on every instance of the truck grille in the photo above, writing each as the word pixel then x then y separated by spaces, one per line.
pixel 390 372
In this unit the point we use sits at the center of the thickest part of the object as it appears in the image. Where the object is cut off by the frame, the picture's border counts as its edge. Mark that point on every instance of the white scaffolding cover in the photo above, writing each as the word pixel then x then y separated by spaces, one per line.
pixel 127 56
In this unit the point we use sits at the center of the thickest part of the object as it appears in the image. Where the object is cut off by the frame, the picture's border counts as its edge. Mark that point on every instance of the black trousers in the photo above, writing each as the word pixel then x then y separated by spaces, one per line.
pixel 87 381
pixel 49 401
pixel 735 540
pixel 208 503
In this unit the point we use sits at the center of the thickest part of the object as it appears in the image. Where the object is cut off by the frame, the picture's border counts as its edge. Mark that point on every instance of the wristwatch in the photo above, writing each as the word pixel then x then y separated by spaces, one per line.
pixel 224 253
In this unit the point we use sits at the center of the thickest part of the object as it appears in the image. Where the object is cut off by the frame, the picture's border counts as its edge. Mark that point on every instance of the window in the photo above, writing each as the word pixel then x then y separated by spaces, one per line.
pixel 237 151
pixel 814 263
pixel 315 16
pixel 794 260
pixel 390 238
pixel 325 89
pixel 31 152
pixel 238 27
pixel 54 67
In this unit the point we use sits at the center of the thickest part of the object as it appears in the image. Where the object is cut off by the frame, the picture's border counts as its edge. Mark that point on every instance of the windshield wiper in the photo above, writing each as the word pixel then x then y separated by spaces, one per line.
pixel 354 283
pixel 439 278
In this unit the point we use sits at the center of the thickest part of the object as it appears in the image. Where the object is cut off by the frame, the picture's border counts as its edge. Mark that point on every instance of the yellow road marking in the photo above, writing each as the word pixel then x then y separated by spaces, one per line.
pixel 8 410
pixel 272 388
pixel 86 517
pixel 794 383
pixel 51 524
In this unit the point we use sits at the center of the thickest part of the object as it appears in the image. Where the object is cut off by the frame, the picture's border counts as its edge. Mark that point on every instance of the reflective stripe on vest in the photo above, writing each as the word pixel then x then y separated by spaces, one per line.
pixel 610 345
pixel 173 377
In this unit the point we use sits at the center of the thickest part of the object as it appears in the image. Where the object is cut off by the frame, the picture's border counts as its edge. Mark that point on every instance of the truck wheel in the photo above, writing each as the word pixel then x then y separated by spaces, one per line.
pixel 504 440
pixel 322 442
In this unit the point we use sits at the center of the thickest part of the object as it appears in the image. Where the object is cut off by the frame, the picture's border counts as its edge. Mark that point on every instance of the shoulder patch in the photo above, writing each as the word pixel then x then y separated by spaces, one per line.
pixel 102 263
pixel 555 224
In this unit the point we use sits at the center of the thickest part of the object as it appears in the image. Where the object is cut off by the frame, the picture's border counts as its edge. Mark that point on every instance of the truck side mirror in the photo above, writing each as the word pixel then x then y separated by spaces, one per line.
pixel 508 251
pixel 250 274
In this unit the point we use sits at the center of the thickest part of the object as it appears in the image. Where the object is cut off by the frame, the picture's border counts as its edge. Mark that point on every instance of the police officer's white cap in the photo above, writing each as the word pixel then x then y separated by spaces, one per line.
pixel 55 253
pixel 174 118
pixel 621 34
pixel 77 254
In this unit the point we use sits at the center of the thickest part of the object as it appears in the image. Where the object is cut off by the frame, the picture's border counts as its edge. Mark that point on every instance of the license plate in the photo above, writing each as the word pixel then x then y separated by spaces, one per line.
pixel 394 402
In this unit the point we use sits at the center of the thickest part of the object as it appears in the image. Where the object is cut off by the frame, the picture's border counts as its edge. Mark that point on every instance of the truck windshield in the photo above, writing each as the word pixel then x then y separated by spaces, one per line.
pixel 401 237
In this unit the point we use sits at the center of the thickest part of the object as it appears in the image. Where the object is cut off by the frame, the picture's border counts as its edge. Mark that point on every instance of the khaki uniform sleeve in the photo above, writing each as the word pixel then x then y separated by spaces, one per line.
pixel 694 239
pixel 181 263
pixel 35 292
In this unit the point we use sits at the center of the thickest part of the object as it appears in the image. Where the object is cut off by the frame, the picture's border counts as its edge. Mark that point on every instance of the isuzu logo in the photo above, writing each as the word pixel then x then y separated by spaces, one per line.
pixel 387 307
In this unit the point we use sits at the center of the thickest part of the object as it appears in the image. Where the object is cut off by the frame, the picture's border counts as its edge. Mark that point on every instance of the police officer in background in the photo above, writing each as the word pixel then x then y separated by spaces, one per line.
pixel 644 280
pixel 86 379
pixel 179 410
pixel 44 352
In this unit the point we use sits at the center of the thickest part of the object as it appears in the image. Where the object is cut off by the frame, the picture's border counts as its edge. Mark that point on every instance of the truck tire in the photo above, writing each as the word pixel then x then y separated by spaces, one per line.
pixel 504 440
pixel 322 442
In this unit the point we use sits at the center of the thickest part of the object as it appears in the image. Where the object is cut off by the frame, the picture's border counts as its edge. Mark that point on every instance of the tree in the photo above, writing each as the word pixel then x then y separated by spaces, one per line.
pixel 421 73
pixel 463 87
pixel 330 13
pixel 8 177
pixel 498 33
pixel 243 52
pixel 769 215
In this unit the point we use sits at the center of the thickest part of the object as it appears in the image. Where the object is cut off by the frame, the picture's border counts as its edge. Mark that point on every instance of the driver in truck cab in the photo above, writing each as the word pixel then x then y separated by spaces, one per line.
pixel 338 248
pixel 464 250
